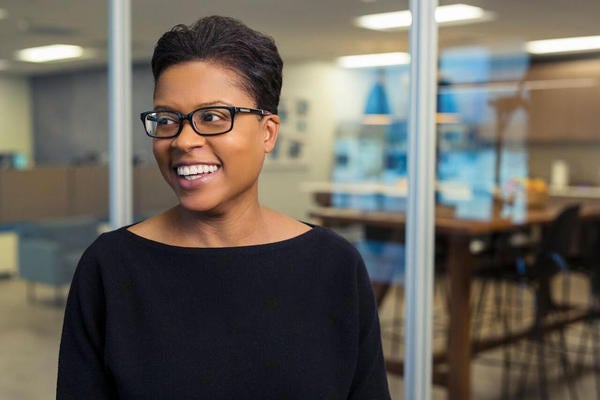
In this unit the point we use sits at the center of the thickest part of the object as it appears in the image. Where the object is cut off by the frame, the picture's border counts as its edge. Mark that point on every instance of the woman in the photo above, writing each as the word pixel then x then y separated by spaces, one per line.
pixel 219 297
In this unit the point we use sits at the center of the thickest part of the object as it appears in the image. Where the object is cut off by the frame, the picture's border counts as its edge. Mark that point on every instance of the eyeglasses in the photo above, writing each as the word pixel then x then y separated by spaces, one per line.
pixel 206 121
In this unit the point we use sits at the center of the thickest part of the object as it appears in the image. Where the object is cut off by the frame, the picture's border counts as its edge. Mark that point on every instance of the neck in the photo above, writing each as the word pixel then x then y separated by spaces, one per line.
pixel 239 227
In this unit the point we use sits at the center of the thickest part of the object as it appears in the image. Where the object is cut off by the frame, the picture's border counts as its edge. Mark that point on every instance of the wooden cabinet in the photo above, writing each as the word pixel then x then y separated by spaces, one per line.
pixel 564 101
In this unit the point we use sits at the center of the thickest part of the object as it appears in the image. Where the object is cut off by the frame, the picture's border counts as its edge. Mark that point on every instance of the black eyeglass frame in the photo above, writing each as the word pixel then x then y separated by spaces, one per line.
pixel 182 117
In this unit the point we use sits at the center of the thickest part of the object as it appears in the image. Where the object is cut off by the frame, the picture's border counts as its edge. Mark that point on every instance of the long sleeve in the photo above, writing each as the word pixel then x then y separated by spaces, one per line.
pixel 82 373
pixel 370 379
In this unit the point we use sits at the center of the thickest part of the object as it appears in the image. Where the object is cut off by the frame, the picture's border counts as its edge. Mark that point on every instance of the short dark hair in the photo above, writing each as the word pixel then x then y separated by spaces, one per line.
pixel 226 41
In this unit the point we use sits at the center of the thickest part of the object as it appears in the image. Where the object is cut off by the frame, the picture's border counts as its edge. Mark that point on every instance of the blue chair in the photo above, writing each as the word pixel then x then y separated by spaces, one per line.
pixel 49 251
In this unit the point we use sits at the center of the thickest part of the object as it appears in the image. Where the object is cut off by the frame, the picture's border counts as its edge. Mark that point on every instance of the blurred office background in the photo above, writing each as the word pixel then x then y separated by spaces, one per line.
pixel 510 117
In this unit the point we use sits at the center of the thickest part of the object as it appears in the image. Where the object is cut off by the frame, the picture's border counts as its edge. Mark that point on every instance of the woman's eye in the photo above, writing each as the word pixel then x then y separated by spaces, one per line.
pixel 164 119
pixel 210 117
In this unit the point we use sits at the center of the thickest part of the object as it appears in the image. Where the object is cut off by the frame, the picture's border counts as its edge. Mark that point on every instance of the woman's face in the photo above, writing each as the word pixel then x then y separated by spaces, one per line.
pixel 227 165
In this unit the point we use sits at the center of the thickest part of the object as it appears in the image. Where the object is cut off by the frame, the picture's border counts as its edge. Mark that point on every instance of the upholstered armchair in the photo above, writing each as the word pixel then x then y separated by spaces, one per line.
pixel 49 251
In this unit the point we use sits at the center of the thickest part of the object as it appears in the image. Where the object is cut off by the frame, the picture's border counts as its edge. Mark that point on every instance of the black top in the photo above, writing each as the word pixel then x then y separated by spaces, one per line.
pixel 293 319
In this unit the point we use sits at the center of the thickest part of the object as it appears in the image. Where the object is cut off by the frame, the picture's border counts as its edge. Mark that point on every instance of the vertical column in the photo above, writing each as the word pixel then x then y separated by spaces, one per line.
pixel 420 209
pixel 119 110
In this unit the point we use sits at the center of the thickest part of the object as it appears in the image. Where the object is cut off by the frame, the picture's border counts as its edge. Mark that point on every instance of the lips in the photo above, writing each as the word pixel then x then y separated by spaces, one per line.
pixel 196 171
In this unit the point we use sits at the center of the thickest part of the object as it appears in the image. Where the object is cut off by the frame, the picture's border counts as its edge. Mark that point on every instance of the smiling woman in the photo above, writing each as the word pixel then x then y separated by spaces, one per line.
pixel 219 297
pixel 218 136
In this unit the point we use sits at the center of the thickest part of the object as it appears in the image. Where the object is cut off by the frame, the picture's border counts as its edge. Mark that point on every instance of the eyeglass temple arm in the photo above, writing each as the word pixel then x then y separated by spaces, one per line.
pixel 253 110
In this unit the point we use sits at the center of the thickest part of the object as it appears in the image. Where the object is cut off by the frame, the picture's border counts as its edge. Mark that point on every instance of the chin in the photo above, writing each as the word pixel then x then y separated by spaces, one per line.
pixel 196 206
pixel 200 207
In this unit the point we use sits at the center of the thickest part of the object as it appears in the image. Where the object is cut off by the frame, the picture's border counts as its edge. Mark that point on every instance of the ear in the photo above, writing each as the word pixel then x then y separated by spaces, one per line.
pixel 271 131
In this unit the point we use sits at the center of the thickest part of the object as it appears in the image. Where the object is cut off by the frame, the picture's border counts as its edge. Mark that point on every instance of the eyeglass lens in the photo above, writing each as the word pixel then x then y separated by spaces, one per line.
pixel 210 121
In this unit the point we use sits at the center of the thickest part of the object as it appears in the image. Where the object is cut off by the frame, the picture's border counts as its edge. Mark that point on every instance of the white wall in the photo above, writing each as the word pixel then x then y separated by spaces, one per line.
pixel 281 185
pixel 16 115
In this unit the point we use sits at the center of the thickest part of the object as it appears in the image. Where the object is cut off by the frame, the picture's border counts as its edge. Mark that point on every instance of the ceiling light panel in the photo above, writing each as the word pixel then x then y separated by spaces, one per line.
pixel 3 13
pixel 444 15
pixel 55 52
pixel 564 45
pixel 385 21
pixel 374 60
pixel 459 12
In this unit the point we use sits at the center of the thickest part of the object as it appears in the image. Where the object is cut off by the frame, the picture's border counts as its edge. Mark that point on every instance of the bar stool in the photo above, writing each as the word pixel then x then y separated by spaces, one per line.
pixel 535 272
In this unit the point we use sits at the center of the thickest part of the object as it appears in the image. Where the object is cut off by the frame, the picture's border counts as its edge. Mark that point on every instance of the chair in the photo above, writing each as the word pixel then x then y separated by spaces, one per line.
pixel 550 260
pixel 49 251
pixel 534 271
pixel 496 256
pixel 587 263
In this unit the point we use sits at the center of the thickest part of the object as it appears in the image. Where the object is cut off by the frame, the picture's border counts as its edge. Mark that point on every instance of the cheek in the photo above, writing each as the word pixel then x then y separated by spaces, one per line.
pixel 161 152
pixel 242 148
pixel 158 149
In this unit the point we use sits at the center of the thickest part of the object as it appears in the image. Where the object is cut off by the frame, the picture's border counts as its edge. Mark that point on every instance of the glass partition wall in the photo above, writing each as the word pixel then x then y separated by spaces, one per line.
pixel 518 133
pixel 53 179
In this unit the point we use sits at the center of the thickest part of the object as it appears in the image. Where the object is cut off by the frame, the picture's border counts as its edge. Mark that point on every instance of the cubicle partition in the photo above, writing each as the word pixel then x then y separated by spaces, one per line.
pixel 88 191
pixel 28 195
pixel 70 191
pixel 151 193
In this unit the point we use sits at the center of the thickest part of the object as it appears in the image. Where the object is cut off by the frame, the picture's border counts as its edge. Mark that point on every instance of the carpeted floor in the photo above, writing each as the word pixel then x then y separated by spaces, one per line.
pixel 29 340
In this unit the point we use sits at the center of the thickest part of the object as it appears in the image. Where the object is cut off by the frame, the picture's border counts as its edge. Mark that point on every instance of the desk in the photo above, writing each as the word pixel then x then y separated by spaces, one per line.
pixel 460 263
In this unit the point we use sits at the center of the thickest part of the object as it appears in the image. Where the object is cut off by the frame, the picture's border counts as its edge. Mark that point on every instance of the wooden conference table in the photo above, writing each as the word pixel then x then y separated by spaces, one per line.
pixel 460 262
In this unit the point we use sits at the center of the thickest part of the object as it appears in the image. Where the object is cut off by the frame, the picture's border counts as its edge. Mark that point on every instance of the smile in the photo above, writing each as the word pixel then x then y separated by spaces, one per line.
pixel 191 172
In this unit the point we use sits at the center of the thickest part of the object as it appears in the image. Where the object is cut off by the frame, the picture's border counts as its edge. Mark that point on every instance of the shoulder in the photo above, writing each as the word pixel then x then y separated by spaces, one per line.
pixel 329 239
pixel 108 240
pixel 103 251
pixel 331 252
pixel 340 253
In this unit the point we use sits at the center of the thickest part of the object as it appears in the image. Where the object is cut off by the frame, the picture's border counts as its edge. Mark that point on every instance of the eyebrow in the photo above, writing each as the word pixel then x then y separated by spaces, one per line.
pixel 206 104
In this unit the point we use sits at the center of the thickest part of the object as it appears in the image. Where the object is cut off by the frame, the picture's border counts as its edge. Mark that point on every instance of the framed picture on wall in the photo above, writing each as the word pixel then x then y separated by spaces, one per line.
pixel 290 150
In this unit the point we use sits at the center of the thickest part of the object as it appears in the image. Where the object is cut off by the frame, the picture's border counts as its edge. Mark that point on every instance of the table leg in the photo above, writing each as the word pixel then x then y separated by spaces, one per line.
pixel 460 264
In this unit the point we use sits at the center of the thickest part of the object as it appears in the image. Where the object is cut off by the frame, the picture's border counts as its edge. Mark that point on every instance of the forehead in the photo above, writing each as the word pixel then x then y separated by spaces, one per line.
pixel 199 81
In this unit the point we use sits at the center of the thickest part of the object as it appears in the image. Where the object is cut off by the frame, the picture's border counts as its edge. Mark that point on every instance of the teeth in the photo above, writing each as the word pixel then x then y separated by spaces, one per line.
pixel 189 171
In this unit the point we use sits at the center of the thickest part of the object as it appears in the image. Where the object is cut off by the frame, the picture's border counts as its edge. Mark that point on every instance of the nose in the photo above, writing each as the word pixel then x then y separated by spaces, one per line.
pixel 188 138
